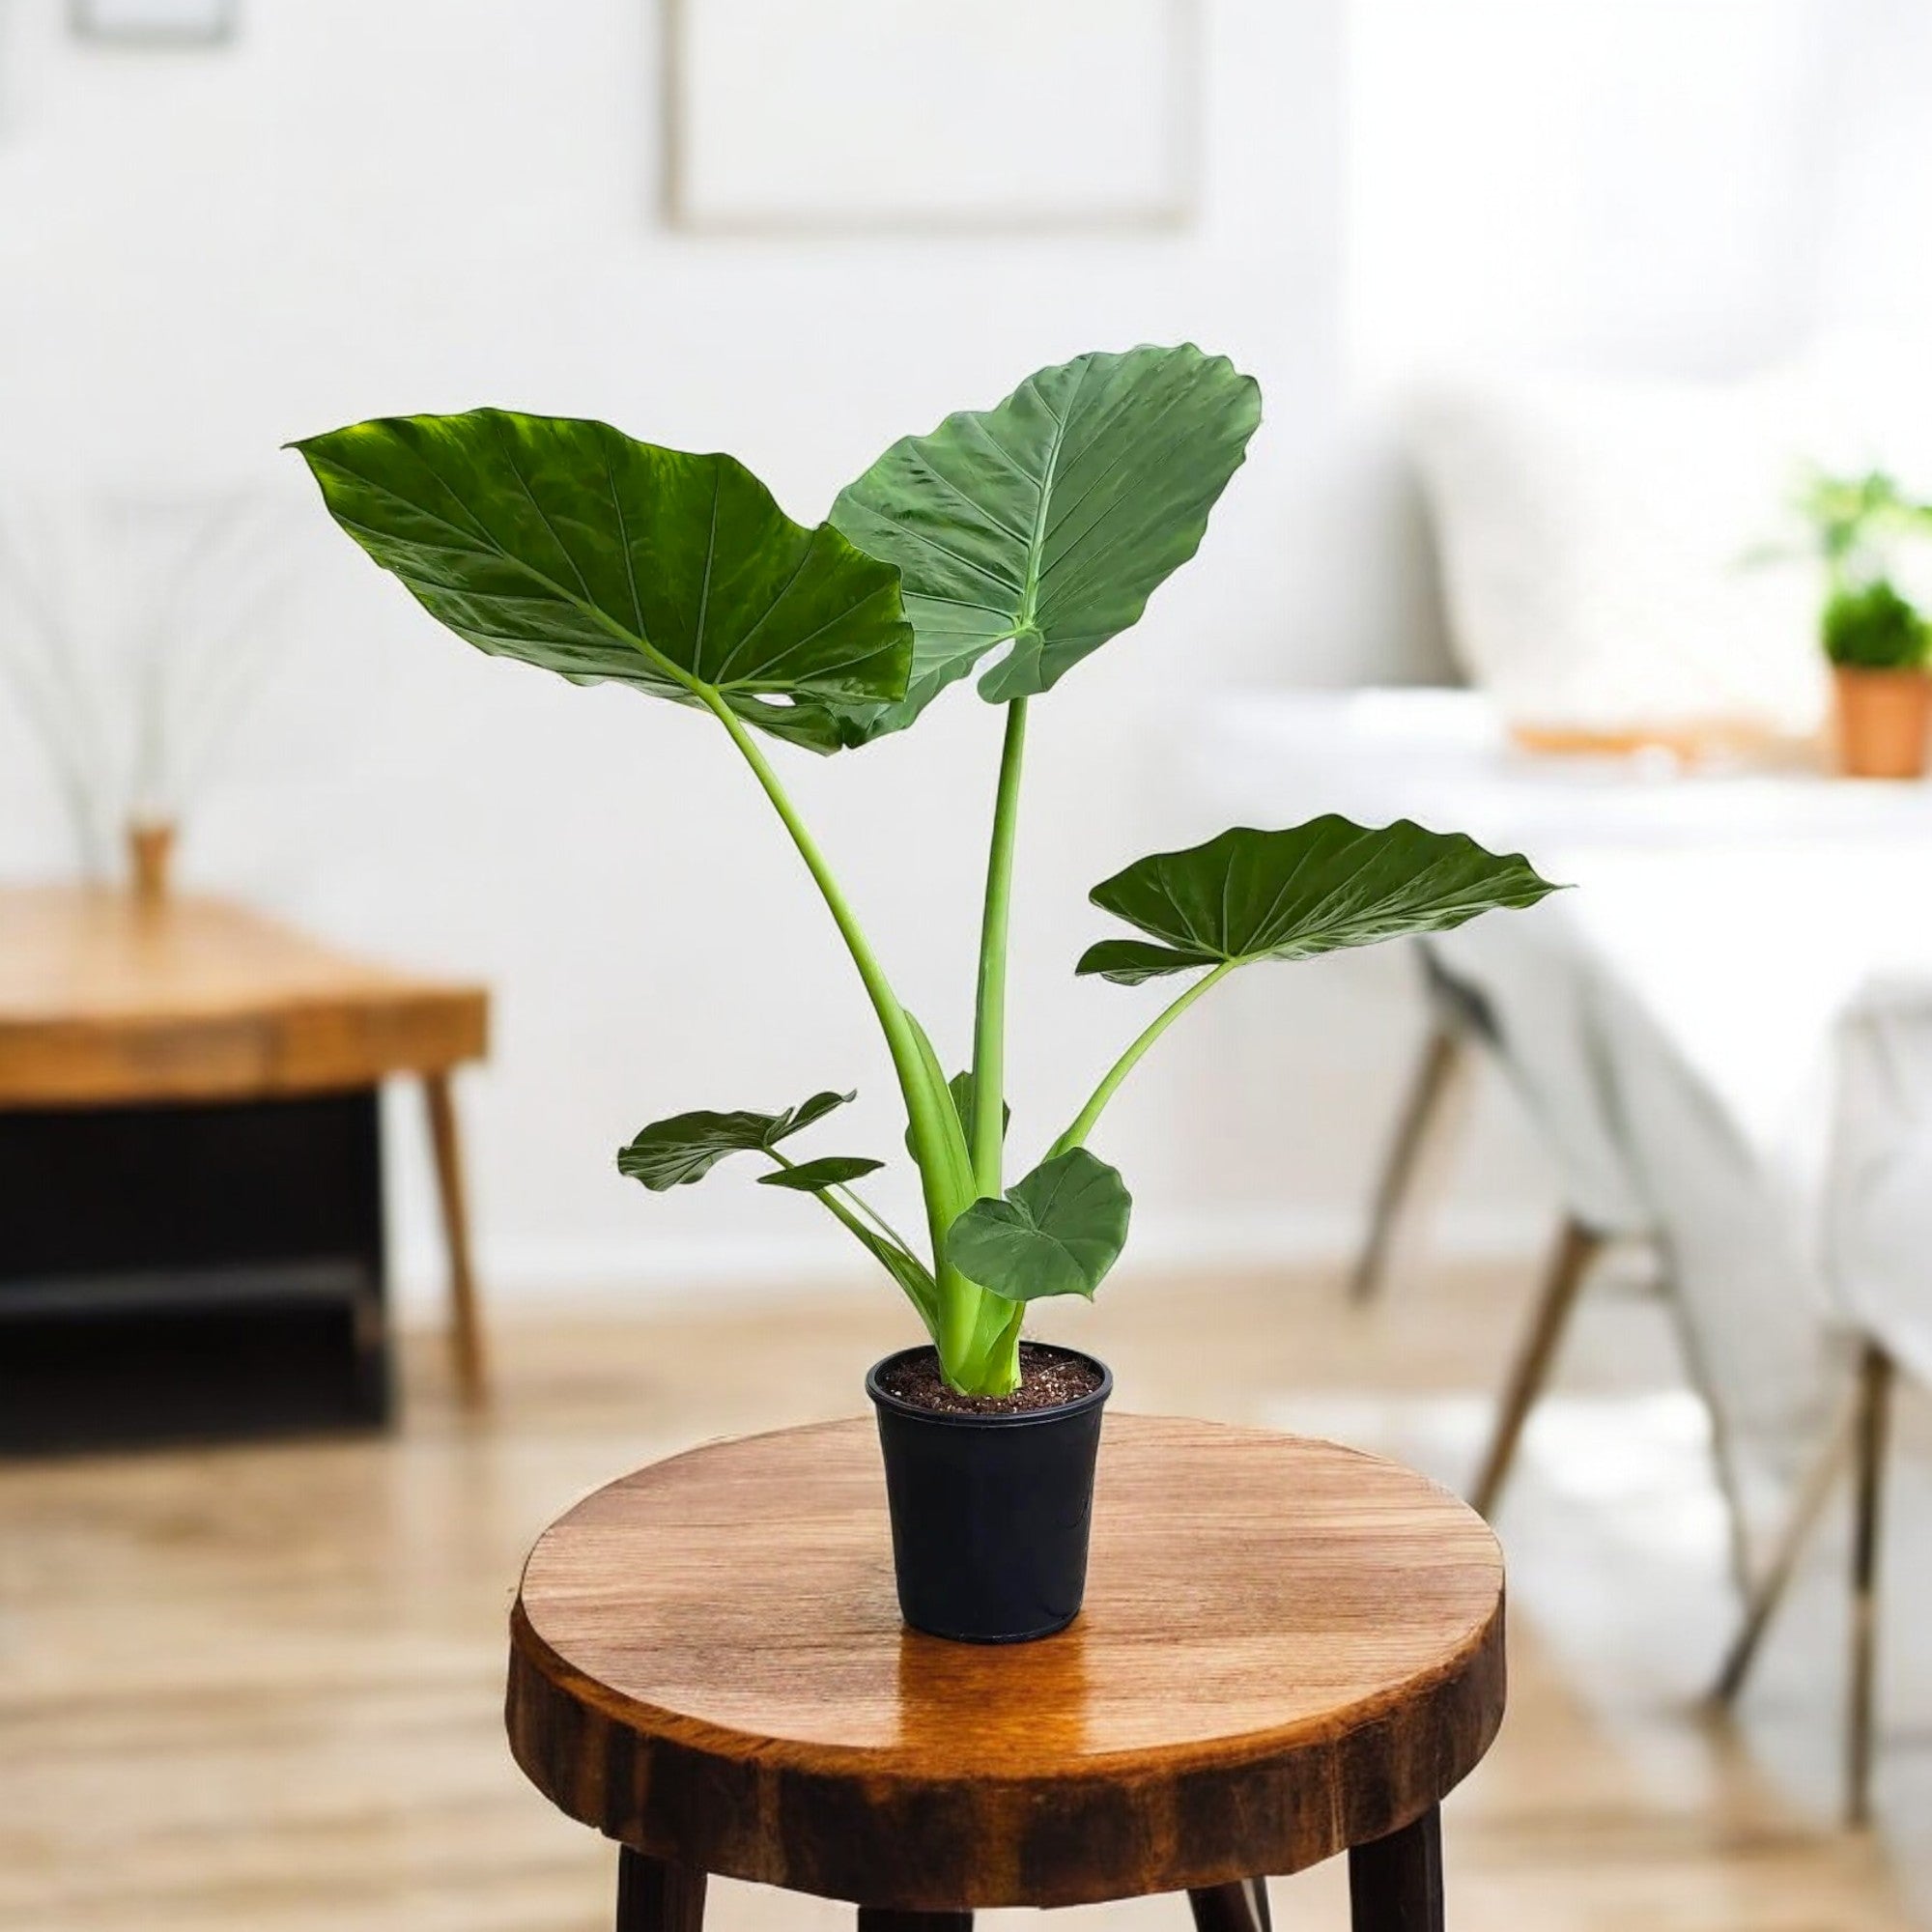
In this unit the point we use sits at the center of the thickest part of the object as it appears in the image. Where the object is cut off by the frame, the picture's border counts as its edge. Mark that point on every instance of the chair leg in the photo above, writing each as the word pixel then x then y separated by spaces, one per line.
pixel 1231 1908
pixel 1395 1883
pixel 1576 1248
pixel 465 1325
pixel 1429 1114
pixel 1875 1377
pixel 1769 1592
pixel 654 1896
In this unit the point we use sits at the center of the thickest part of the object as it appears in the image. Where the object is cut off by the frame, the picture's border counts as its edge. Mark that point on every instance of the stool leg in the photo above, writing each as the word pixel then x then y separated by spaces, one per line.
pixel 1231 1908
pixel 874 1918
pixel 465 1331
pixel 1874 1419
pixel 1395 1883
pixel 1431 1111
pixel 656 1897
pixel 1576 1247
pixel 1767 1592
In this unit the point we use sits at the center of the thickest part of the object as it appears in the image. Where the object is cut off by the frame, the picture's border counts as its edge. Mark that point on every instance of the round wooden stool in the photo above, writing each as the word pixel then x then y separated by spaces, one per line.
pixel 1288 1649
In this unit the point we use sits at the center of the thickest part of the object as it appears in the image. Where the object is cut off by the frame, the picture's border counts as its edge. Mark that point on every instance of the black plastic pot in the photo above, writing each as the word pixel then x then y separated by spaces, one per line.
pixel 990 1513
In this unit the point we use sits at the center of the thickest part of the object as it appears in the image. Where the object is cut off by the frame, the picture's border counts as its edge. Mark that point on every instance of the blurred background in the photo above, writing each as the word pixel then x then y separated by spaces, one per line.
pixel 1591 335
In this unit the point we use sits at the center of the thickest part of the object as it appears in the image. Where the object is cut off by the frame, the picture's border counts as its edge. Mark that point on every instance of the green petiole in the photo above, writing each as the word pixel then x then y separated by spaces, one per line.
pixel 854 1199
pixel 921 1114
pixel 1083 1124
pixel 989 1013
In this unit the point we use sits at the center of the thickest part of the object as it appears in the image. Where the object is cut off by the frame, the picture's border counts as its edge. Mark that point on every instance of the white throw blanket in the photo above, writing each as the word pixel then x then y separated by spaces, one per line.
pixel 1725 1034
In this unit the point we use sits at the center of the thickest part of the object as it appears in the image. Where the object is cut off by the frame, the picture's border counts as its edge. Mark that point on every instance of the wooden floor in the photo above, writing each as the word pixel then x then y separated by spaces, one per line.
pixel 259 1687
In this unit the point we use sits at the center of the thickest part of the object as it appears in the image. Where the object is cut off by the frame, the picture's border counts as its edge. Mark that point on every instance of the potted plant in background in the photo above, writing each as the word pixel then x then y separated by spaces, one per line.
pixel 1879 647
pixel 1878 643
pixel 1037 530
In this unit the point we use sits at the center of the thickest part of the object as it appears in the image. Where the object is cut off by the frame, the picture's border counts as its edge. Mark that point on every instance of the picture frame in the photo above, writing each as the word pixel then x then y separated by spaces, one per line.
pixel 154 24
pixel 771 128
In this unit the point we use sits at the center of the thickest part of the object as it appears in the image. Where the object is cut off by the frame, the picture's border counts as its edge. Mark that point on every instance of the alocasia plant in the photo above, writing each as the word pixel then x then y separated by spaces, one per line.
pixel 1037 530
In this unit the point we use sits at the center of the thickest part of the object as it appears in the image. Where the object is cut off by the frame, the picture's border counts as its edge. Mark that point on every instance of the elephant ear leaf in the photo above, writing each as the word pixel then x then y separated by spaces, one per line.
pixel 568 545
pixel 1050 519
pixel 1291 894
pixel 686 1147
pixel 1057 1232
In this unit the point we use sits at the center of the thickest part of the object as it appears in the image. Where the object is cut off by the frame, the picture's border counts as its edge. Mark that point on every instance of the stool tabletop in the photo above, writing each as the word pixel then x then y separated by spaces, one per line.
pixel 1287 1648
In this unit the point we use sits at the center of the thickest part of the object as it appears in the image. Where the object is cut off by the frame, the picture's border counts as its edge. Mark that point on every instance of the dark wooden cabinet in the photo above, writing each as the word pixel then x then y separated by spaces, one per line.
pixel 190 1173
pixel 190 1271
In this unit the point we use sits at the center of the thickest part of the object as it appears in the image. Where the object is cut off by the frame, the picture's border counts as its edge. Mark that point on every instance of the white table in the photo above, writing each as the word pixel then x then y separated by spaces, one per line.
pixel 1678 1022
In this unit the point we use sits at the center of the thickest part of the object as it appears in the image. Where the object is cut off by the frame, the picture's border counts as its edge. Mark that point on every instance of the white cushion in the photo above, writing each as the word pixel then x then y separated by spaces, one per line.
pixel 1596 542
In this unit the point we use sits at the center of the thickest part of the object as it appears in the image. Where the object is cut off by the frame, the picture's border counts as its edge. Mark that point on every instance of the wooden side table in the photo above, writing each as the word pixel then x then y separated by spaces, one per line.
pixel 108 1002
pixel 1289 1650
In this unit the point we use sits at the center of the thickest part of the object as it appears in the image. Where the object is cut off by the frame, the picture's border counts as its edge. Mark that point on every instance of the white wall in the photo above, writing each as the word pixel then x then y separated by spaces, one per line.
pixel 1639 184
pixel 369 206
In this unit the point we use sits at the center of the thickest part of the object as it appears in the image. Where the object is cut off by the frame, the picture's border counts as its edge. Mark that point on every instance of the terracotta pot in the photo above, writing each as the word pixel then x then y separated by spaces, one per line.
pixel 1883 720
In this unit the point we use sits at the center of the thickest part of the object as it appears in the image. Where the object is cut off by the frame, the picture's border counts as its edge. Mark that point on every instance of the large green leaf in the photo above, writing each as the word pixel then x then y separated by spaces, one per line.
pixel 1057 1232
pixel 568 545
pixel 686 1147
pixel 1290 895
pixel 1051 519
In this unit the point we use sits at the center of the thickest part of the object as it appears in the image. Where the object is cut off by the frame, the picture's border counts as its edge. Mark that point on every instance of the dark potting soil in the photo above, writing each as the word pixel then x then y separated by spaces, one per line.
pixel 1048 1378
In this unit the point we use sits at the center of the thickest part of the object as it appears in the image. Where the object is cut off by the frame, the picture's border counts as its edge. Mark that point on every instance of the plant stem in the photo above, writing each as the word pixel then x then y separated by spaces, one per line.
pixel 1000 1365
pixel 926 1128
pixel 938 1146
pixel 854 1199
pixel 884 1001
pixel 872 1214
pixel 926 1307
pixel 1082 1125
pixel 989 1012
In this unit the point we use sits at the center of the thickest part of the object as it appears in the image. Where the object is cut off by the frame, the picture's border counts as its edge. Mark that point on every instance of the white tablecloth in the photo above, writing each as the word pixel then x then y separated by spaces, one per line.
pixel 1724 1031
pixel 1879 1213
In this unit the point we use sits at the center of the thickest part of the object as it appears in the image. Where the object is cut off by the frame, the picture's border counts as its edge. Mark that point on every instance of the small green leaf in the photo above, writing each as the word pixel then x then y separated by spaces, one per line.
pixel 676 1152
pixel 830 1170
pixel 960 1087
pixel 1312 889
pixel 1051 519
pixel 1057 1232
pixel 568 545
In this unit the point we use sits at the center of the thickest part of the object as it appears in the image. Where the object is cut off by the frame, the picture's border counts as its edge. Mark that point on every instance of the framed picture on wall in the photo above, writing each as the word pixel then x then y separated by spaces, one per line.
pixel 170 24
pixel 800 116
